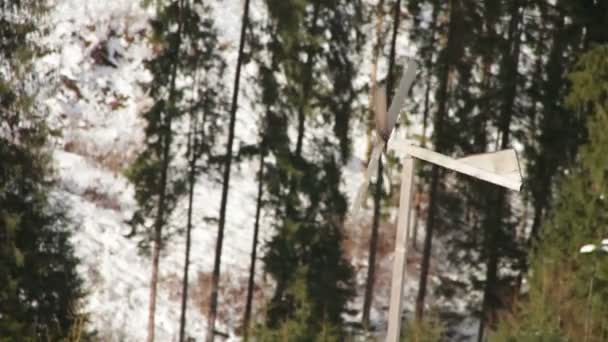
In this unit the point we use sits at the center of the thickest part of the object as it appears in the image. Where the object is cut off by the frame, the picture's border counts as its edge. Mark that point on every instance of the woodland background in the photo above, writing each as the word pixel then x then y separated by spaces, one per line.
pixel 183 170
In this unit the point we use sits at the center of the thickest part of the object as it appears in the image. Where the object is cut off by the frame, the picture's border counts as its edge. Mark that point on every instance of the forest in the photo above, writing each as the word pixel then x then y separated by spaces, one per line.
pixel 187 170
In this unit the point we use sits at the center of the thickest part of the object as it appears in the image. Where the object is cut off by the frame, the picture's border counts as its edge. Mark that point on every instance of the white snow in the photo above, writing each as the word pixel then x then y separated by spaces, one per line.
pixel 587 249
pixel 98 108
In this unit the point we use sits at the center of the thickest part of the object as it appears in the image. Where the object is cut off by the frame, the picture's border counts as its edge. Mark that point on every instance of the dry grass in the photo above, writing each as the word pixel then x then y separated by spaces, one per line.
pixel 115 160
pixel 232 298
pixel 101 199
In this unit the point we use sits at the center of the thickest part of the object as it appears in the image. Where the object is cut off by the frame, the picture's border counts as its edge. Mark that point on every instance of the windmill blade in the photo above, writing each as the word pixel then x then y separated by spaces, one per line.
pixel 385 122
pixel 380 113
pixel 371 167
pixel 409 73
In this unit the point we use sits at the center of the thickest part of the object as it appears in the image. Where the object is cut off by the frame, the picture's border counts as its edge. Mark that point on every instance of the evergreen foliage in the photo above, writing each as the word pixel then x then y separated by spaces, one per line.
pixel 298 327
pixel 568 291
pixel 39 287
pixel 193 109
pixel 498 77
pixel 182 124
pixel 312 47
pixel 429 329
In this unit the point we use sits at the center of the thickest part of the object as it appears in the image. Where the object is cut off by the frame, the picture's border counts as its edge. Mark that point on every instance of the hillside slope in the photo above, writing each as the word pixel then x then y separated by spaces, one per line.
pixel 97 50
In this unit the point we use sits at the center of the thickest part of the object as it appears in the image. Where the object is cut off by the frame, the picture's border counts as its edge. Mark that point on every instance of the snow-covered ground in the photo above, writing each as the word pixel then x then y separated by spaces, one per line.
pixel 97 49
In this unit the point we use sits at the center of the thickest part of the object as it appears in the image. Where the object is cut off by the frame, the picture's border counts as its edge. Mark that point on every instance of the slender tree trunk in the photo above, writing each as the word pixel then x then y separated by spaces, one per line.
pixel 215 278
pixel 192 147
pixel 419 185
pixel 191 180
pixel 428 243
pixel 425 118
pixel 290 211
pixel 369 286
pixel 493 229
pixel 442 98
pixel 306 88
pixel 373 243
pixel 547 165
pixel 254 248
pixel 160 215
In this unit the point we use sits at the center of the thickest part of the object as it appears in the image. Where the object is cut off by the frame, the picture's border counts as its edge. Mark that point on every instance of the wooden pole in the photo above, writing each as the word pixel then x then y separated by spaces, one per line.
pixel 400 256
pixel 500 168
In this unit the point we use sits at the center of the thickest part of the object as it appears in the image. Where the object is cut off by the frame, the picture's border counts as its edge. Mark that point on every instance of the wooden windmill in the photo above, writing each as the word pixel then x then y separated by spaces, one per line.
pixel 501 168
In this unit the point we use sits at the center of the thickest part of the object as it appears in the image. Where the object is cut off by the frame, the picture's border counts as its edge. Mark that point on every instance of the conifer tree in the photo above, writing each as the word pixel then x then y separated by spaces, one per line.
pixel 205 106
pixel 215 278
pixel 266 93
pixel 567 288
pixel 448 63
pixel 497 230
pixel 312 47
pixel 39 286
pixel 187 46
pixel 254 247
pixel 378 188
pixel 156 191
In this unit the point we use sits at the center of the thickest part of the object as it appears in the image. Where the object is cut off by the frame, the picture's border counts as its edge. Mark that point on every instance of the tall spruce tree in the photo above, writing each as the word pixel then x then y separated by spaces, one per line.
pixel 567 288
pixel 266 93
pixel 497 228
pixel 205 105
pixel 449 65
pixel 378 186
pixel 184 34
pixel 426 35
pixel 215 277
pixel 312 47
pixel 156 190
pixel 39 286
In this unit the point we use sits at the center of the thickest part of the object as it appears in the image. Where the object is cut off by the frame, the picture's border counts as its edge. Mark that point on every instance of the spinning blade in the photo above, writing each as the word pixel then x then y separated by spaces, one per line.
pixel 385 123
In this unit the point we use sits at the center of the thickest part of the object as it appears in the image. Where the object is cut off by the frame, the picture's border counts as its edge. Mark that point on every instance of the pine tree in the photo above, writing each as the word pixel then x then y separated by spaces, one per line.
pixel 205 108
pixel 497 230
pixel 215 279
pixel 266 92
pixel 427 37
pixel 254 247
pixel 186 41
pixel 567 288
pixel 155 191
pixel 378 186
pixel 448 60
pixel 312 46
pixel 39 287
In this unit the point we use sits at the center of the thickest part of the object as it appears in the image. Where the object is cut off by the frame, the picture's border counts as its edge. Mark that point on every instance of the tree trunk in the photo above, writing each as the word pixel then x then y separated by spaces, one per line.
pixel 192 147
pixel 373 243
pixel 215 278
pixel 509 70
pixel 428 243
pixel 191 180
pixel 442 98
pixel 160 215
pixel 254 248
pixel 369 286
pixel 425 118
pixel 419 185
